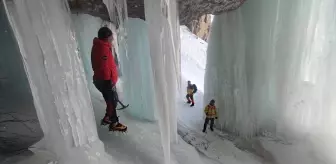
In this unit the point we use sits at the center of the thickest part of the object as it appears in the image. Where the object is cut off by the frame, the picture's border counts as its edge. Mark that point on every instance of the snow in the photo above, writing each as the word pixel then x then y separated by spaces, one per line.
pixel 193 57
pixel 214 145
pixel 142 143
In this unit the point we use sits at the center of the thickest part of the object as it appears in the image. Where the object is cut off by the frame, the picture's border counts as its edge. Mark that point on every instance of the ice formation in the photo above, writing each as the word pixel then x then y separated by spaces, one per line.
pixel 18 120
pixel 163 32
pixel 86 28
pixel 270 66
pixel 137 71
pixel 57 80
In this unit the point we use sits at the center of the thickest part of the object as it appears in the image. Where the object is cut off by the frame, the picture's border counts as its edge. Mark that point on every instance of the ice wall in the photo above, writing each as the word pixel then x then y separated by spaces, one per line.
pixel 270 66
pixel 86 27
pixel 164 39
pixel 137 71
pixel 18 120
pixel 137 82
pixel 57 80
pixel 225 75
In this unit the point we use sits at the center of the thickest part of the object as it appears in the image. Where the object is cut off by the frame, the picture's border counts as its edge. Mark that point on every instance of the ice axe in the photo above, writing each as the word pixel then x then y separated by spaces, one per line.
pixel 122 105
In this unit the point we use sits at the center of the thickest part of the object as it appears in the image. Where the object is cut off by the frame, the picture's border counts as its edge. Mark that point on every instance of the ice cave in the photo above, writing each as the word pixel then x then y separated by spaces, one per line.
pixel 269 66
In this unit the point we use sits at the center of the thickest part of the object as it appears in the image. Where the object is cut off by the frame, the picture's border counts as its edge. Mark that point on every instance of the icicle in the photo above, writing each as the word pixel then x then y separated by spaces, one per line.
pixel 162 17
pixel 57 79
pixel 278 65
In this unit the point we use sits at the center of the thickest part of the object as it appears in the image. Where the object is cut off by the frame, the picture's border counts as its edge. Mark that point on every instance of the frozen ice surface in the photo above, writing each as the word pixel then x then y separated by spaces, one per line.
pixel 270 66
pixel 164 39
pixel 57 80
pixel 225 76
pixel 138 82
pixel 86 28
pixel 18 120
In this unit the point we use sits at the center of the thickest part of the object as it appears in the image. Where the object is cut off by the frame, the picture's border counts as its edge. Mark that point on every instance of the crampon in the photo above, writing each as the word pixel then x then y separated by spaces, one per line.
pixel 118 127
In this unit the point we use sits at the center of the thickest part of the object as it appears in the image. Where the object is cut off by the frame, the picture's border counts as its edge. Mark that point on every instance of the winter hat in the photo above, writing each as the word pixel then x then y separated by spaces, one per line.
pixel 104 33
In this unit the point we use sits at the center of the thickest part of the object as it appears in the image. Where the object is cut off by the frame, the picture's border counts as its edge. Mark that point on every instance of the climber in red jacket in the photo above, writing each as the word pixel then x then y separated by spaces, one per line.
pixel 106 76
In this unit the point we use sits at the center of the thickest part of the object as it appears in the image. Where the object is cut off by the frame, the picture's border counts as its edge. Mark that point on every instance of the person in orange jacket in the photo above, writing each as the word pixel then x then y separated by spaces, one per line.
pixel 211 114
pixel 191 90
pixel 105 76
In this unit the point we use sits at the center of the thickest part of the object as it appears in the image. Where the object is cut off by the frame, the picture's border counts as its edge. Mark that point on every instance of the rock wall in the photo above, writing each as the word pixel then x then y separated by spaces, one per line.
pixel 189 10
pixel 201 26
pixel 192 10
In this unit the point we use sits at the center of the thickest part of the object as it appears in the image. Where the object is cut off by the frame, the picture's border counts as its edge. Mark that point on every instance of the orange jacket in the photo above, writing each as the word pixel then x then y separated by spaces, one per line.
pixel 210 111
pixel 190 90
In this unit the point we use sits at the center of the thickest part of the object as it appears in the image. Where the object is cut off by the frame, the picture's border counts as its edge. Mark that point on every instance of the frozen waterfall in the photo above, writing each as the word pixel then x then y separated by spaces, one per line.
pixel 57 80
pixel 271 67
pixel 163 26
pixel 137 71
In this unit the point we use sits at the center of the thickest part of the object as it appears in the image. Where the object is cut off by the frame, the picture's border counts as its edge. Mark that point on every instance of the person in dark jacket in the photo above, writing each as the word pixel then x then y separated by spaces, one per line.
pixel 105 76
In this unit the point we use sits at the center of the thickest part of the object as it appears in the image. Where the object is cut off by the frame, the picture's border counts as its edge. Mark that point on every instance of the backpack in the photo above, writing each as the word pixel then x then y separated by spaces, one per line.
pixel 195 88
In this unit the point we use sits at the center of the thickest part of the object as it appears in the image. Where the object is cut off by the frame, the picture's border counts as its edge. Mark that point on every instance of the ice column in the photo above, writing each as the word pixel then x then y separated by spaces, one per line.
pixel 225 77
pixel 57 80
pixel 138 87
pixel 164 42
pixel 18 119
pixel 270 68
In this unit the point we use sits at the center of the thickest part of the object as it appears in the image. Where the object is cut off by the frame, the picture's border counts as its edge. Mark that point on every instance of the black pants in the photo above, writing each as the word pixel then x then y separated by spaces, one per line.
pixel 110 96
pixel 212 121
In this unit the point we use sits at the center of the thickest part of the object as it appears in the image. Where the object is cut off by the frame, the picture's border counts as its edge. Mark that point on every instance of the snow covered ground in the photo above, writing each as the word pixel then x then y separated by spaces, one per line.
pixel 190 120
pixel 141 145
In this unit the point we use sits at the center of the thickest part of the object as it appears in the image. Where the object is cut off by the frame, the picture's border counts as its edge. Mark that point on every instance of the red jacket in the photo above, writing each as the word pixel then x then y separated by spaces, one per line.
pixel 102 61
